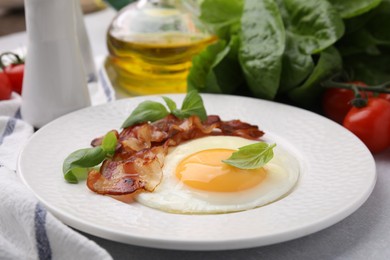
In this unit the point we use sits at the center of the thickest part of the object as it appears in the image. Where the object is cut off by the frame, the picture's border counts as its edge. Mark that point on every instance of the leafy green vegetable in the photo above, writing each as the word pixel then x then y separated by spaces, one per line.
pixel 170 103
pixel 146 111
pixel 192 105
pixel 352 8
pixel 109 143
pixel 371 69
pixel 315 25
pixel 297 65
pixel 251 156
pixel 366 49
pixel 262 47
pixel 202 67
pixel 284 49
pixel 311 26
pixel 220 13
pixel 328 65
pixel 150 111
pixel 75 166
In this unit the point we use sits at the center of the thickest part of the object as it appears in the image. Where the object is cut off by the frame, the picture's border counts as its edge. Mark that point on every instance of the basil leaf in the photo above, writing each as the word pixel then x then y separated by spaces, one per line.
pixel 109 143
pixel 262 47
pixel 170 103
pixel 251 156
pixel 146 111
pixel 192 105
pixel 75 164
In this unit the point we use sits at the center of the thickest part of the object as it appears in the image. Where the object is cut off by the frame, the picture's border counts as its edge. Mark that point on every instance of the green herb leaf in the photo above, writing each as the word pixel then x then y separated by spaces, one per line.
pixel 216 69
pixel 329 64
pixel 311 26
pixel 262 46
pixel 314 25
pixel 251 156
pixel 221 12
pixel 146 111
pixel 203 64
pixel 170 103
pixel 74 166
pixel 351 8
pixel 109 143
pixel 192 105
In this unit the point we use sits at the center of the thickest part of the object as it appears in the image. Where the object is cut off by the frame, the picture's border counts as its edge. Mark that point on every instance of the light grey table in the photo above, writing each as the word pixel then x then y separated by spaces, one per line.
pixel 363 235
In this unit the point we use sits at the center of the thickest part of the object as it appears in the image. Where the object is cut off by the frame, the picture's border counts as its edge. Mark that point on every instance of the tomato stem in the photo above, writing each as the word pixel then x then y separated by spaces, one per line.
pixel 382 88
pixel 17 59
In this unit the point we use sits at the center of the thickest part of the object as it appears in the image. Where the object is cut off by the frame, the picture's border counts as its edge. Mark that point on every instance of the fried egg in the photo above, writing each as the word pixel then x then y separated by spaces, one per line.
pixel 196 181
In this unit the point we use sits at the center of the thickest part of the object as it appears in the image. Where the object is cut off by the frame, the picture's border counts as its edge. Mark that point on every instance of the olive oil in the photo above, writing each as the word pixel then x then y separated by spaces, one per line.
pixel 151 48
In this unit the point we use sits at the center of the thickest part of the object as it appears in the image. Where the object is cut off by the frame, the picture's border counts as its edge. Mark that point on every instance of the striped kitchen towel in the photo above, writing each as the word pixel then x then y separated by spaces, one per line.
pixel 27 230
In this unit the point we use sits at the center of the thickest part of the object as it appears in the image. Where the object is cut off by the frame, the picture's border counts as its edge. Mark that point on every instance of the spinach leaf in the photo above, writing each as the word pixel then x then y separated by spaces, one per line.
pixel 296 65
pixel 379 24
pixel 202 65
pixel 311 26
pixel 329 64
pixel 372 69
pixel 315 25
pixel 227 73
pixel 358 42
pixel 262 47
pixel 352 8
pixel 219 13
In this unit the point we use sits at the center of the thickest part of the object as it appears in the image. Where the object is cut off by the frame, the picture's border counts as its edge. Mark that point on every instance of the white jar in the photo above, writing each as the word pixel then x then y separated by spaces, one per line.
pixel 55 82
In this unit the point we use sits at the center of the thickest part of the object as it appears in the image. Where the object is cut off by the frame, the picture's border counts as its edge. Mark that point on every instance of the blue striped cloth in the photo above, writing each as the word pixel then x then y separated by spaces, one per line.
pixel 27 230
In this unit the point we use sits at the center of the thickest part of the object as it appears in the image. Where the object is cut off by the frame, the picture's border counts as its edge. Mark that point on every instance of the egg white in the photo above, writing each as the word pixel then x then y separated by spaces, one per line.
pixel 172 195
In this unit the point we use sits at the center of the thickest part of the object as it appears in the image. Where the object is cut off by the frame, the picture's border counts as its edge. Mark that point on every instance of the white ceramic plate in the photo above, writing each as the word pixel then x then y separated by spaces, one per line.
pixel 337 176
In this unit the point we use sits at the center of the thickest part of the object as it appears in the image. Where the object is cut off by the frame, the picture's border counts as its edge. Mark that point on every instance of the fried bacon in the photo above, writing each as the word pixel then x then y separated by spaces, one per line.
pixel 143 170
pixel 139 156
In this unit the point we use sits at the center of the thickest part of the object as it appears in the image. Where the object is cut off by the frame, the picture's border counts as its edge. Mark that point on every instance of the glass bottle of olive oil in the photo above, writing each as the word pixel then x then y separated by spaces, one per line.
pixel 151 45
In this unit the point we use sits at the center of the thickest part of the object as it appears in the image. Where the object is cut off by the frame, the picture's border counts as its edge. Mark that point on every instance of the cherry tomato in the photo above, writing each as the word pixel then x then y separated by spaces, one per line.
pixel 14 70
pixel 336 102
pixel 384 96
pixel 371 124
pixel 5 87
pixel 15 74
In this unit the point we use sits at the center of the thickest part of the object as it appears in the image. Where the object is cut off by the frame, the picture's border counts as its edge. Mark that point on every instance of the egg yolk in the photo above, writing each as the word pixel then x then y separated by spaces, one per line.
pixel 205 170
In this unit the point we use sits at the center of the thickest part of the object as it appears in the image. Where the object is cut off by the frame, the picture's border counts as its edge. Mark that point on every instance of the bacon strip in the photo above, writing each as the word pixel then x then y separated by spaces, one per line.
pixel 139 157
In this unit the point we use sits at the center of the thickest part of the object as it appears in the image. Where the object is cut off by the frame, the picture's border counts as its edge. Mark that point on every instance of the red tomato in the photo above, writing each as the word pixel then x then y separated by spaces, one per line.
pixel 336 103
pixel 15 74
pixel 384 96
pixel 5 87
pixel 371 124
